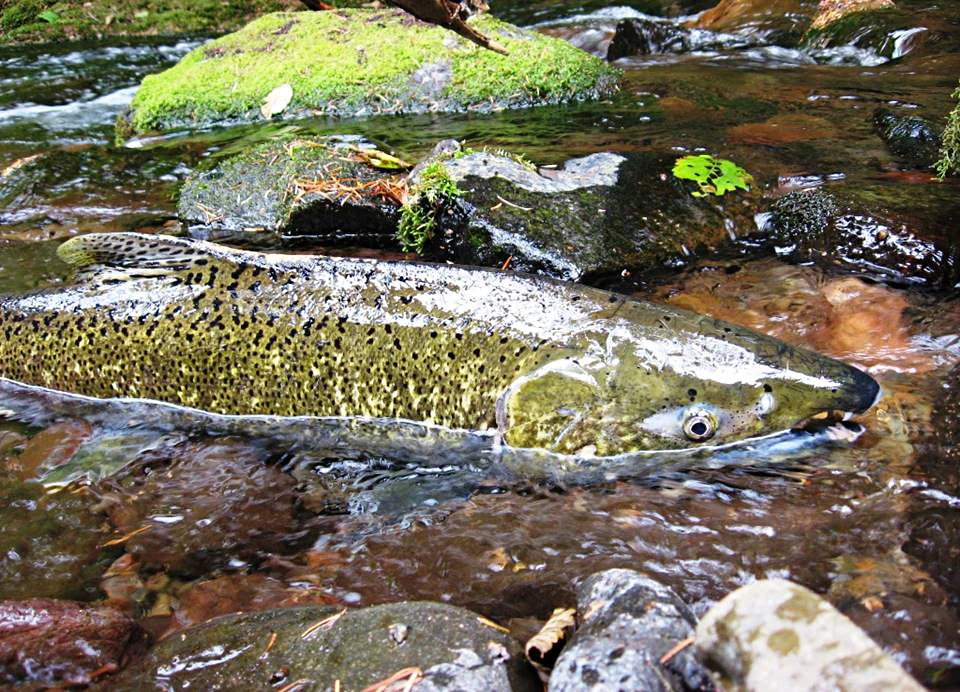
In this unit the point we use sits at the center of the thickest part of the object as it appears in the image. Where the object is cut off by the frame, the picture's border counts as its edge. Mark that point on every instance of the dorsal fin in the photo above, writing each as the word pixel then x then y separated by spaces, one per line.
pixel 129 250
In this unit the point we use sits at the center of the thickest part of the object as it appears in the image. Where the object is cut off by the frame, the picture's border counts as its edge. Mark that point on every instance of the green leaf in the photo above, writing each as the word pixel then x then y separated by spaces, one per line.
pixel 49 16
pixel 713 176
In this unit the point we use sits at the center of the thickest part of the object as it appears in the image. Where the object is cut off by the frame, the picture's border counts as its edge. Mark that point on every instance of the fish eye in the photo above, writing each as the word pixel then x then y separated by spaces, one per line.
pixel 699 426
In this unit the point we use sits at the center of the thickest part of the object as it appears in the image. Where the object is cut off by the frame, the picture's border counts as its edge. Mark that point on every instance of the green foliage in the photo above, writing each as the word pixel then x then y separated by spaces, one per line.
pixel 418 218
pixel 21 13
pixel 949 163
pixel 49 16
pixel 713 176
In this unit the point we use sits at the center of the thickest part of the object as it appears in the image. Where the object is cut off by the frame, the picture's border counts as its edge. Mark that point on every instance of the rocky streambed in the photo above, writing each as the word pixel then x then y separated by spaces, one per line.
pixel 138 557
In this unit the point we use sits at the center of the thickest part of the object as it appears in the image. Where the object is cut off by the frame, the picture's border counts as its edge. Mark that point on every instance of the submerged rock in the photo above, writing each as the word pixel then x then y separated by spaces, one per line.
pixel 776 630
pixel 628 622
pixel 645 37
pixel 597 216
pixel 51 643
pixel 451 647
pixel 815 226
pixel 908 137
pixel 362 62
pixel 51 544
pixel 288 188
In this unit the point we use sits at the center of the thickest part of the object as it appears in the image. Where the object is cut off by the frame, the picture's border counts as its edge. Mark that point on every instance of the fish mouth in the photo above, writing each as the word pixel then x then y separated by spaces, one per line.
pixel 824 419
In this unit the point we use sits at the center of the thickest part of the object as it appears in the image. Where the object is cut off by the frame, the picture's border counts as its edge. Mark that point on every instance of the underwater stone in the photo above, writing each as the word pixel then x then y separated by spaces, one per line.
pixel 352 62
pixel 777 631
pixel 627 623
pixel 816 226
pixel 908 137
pixel 452 646
pixel 255 197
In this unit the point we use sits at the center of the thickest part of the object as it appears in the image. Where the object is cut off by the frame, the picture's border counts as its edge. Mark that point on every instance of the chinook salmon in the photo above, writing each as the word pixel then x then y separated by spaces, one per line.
pixel 542 364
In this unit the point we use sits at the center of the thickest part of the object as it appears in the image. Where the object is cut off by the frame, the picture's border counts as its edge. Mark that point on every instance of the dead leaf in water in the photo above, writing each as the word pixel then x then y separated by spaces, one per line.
pixel 276 101
pixel 18 164
pixel 544 647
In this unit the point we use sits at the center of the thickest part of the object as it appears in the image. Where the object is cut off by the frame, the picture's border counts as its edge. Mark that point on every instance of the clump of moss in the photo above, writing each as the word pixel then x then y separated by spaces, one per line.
pixel 949 163
pixel 433 189
pixel 24 20
pixel 361 62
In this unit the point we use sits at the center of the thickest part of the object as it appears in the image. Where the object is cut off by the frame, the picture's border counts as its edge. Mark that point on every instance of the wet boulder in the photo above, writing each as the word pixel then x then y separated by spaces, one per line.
pixel 780 22
pixel 449 648
pixel 910 138
pixel 777 630
pixel 51 544
pixel 645 37
pixel 293 189
pixel 47 642
pixel 353 62
pixel 600 216
pixel 876 26
pixel 817 226
pixel 628 623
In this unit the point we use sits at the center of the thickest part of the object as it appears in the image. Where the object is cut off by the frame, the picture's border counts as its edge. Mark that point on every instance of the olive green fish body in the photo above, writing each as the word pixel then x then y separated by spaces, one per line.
pixel 548 364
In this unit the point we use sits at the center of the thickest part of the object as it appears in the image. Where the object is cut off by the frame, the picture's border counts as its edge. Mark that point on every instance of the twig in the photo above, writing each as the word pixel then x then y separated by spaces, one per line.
pixel 413 674
pixel 515 206
pixel 326 622
pixel 124 539
pixel 680 646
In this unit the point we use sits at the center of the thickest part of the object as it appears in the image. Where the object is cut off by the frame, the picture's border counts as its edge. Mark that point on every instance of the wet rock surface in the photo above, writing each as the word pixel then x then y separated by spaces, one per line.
pixel 597 216
pixel 911 138
pixel 452 648
pixel 51 544
pixel 290 189
pixel 777 630
pixel 47 642
pixel 628 622
pixel 817 226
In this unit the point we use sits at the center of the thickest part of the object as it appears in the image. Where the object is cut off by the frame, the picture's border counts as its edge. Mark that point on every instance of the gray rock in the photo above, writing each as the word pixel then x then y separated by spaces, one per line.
pixel 599 216
pixel 775 632
pixel 257 196
pixel 627 623
pixel 452 647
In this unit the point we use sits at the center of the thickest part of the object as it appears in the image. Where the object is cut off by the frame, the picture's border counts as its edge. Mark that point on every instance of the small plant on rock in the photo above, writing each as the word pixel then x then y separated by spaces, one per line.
pixel 949 163
pixel 713 176
pixel 418 218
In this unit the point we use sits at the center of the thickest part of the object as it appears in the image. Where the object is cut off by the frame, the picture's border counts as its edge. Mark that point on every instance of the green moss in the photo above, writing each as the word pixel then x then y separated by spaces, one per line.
pixel 22 22
pixel 418 218
pixel 949 163
pixel 358 62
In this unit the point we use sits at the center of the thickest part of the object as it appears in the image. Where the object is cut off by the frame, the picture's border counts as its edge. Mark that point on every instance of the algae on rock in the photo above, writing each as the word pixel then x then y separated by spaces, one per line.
pixel 362 62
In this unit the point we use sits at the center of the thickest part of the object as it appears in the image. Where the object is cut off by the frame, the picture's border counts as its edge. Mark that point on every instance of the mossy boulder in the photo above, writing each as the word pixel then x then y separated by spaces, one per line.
pixel 451 647
pixel 911 138
pixel 362 62
pixel 290 190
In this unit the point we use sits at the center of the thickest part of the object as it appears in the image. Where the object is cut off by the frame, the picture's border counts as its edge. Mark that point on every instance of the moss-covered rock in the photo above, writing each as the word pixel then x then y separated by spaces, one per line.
pixel 949 162
pixel 362 62
pixel 48 20
pixel 452 648
pixel 291 189
pixel 868 26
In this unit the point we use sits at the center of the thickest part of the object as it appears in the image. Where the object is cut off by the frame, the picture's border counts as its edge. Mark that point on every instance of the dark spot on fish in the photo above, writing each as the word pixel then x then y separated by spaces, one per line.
pixel 767 388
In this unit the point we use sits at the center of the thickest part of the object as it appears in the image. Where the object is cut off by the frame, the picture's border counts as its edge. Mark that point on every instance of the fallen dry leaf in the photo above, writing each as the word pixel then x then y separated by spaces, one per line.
pixel 276 101
pixel 544 647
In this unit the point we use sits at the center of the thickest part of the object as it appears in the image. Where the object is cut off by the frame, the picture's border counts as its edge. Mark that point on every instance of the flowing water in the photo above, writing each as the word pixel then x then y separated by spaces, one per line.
pixel 872 523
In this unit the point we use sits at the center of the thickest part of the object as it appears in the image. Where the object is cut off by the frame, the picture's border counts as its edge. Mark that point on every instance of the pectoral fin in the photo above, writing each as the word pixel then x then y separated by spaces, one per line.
pixel 130 250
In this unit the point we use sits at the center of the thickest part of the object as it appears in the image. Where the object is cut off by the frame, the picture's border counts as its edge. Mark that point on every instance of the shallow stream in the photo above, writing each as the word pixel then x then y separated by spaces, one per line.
pixel 874 525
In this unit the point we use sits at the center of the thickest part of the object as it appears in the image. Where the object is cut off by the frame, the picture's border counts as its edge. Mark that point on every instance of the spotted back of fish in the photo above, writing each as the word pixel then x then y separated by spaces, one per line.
pixel 243 333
